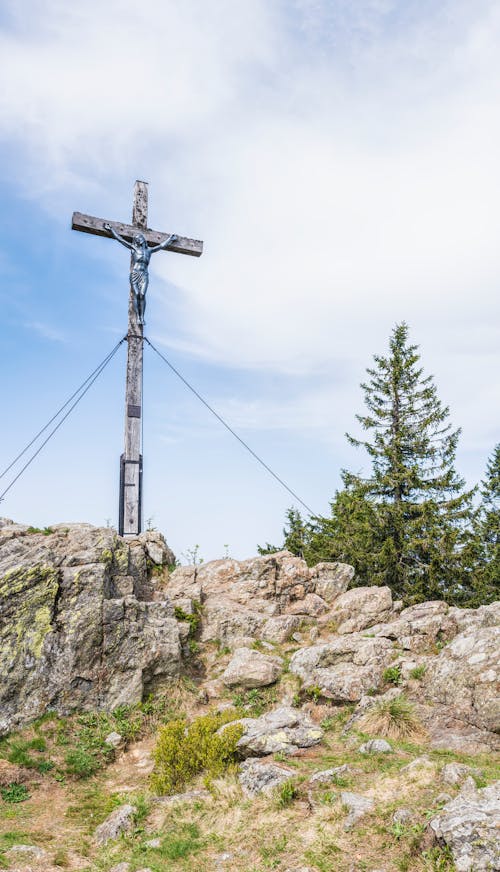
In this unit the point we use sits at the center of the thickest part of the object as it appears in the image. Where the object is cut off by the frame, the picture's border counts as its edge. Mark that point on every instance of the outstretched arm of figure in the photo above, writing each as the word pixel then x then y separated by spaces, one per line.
pixel 116 235
pixel 166 242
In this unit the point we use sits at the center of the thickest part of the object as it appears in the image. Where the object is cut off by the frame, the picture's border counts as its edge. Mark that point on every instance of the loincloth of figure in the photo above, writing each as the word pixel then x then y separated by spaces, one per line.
pixel 139 281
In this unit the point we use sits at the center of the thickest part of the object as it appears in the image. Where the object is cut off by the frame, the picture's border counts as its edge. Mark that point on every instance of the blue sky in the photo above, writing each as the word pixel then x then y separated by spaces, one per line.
pixel 339 160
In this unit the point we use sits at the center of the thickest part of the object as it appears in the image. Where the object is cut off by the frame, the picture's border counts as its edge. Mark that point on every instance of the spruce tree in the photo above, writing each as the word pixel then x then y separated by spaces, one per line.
pixel 418 508
pixel 486 578
pixel 406 524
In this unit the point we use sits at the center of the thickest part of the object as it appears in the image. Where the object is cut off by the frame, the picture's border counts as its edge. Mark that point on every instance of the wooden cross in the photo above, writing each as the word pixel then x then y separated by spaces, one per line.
pixel 130 506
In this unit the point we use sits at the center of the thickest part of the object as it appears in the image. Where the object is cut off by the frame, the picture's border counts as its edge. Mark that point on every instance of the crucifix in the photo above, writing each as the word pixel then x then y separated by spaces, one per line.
pixel 142 243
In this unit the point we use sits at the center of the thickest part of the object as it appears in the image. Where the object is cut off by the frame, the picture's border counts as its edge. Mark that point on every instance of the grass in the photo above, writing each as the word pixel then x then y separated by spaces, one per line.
pixel 393 718
pixel 392 675
pixel 418 672
pixel 14 792
pixel 256 701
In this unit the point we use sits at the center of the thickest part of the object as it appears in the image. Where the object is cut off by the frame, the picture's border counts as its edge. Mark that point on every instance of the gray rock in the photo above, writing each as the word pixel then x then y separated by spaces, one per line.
pixel 375 746
pixel 358 806
pixel 68 638
pixel 312 605
pixel 327 776
pixel 280 628
pixel 331 579
pixel 25 852
pixel 469 826
pixel 154 843
pixel 119 821
pixel 114 740
pixel 464 678
pixel 250 668
pixel 455 773
pixel 403 816
pixel 284 729
pixel 360 608
pixel 260 776
pixel 121 867
pixel 344 668
pixel 442 798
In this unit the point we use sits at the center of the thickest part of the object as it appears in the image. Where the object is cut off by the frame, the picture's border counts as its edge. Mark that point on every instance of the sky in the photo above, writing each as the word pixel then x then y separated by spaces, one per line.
pixel 339 158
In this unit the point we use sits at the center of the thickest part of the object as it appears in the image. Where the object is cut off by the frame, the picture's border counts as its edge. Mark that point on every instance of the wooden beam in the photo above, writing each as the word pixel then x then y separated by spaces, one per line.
pixel 89 224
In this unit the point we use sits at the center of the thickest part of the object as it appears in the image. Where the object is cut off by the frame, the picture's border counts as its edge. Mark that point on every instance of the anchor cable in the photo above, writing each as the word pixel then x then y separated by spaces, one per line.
pixel 81 391
pixel 230 429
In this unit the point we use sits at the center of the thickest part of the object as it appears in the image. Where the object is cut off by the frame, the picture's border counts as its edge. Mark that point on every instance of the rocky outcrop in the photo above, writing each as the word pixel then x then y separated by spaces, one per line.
pixel 79 628
pixel 468 824
pixel 90 621
pixel 265 597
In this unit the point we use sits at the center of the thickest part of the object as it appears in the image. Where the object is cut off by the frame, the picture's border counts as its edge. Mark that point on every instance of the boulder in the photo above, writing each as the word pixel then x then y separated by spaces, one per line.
pixel 311 605
pixel 250 668
pixel 358 806
pixel 280 628
pixel 344 668
pixel 26 853
pixel 119 821
pixel 284 729
pixel 329 776
pixel 69 639
pixel 469 826
pixel 359 608
pixel 375 746
pixel 262 776
pixel 331 579
pixel 464 677
pixel 456 773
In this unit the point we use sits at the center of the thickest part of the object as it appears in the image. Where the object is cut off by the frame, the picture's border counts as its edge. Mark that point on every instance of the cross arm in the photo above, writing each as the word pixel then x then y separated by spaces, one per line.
pixel 181 244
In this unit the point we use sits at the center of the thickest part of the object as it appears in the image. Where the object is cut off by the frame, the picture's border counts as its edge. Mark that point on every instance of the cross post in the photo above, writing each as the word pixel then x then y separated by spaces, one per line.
pixel 130 500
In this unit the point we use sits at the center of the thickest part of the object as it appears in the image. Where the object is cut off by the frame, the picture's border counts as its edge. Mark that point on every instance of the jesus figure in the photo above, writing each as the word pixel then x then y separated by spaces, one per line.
pixel 139 275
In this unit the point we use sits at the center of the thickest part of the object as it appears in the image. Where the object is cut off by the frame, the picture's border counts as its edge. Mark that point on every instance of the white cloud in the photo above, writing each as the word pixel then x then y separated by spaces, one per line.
pixel 339 159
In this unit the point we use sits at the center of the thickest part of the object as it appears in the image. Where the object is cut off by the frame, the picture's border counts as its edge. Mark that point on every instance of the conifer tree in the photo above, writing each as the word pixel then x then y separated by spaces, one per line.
pixel 406 524
pixel 420 510
pixel 486 578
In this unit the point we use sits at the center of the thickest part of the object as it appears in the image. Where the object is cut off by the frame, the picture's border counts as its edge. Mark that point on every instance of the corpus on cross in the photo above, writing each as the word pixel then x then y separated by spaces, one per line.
pixel 142 243
pixel 139 274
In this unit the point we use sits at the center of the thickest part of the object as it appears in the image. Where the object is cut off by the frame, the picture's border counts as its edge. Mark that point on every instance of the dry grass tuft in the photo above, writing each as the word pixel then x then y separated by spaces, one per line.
pixel 394 718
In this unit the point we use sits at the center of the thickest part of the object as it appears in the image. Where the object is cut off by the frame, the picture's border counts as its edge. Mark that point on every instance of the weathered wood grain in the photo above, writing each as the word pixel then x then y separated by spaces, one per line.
pixel 95 226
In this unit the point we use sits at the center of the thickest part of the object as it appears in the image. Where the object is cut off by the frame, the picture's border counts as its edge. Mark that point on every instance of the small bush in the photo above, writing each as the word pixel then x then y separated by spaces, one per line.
pixel 392 674
pixel 14 792
pixel 184 750
pixel 394 718
pixel 418 672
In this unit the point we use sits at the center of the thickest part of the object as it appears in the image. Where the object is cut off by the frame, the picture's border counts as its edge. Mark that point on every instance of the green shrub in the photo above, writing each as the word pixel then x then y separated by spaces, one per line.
pixel 183 750
pixel 14 792
pixel 392 674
